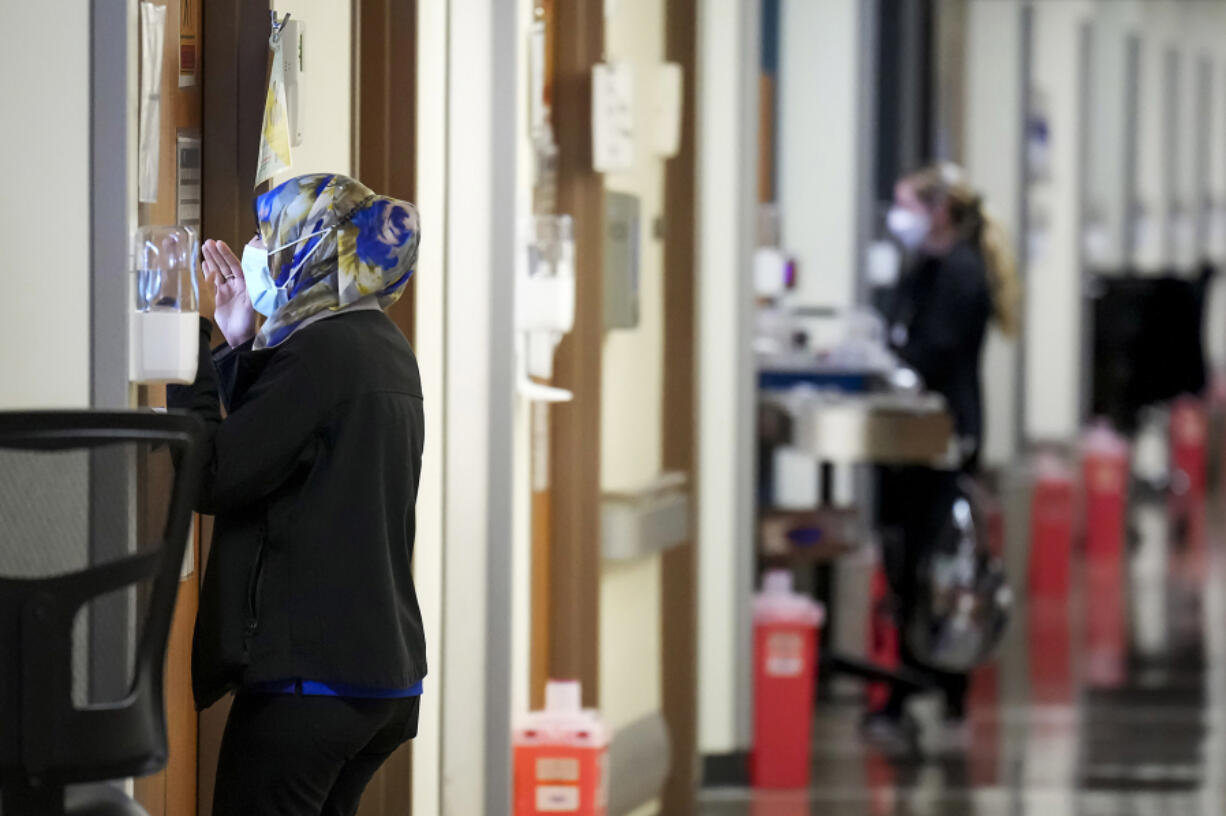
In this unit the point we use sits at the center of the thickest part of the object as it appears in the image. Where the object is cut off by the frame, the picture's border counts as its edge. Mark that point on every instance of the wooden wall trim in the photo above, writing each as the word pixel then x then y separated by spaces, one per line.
pixel 679 598
pixel 544 202
pixel 385 120
pixel 233 71
pixel 384 109
pixel 575 433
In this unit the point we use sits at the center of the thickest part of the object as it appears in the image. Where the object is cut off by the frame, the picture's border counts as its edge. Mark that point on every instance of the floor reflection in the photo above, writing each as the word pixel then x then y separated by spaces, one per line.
pixel 1108 703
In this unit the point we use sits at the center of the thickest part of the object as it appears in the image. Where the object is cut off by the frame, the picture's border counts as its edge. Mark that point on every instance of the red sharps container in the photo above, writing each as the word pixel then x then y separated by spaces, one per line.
pixel 785 675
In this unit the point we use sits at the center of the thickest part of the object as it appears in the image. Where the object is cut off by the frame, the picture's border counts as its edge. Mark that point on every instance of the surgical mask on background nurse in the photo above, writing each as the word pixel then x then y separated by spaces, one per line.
pixel 908 226
pixel 910 221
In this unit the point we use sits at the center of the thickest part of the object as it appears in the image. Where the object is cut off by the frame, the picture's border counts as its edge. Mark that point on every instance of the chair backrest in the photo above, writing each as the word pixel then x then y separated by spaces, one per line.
pixel 95 511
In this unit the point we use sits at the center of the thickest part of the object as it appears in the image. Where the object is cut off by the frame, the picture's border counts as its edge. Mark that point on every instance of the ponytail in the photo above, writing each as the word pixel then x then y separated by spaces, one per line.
pixel 945 184
pixel 1003 280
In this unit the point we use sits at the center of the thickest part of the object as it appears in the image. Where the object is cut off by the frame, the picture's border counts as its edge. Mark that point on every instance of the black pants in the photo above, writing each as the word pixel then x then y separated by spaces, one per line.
pixel 296 755
pixel 912 504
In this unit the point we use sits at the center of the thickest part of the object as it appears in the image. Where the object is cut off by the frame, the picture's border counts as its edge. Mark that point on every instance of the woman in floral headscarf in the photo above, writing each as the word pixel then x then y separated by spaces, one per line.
pixel 308 610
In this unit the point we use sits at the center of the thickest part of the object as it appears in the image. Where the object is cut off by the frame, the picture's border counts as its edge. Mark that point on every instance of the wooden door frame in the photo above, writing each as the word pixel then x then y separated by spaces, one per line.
pixel 384 113
pixel 233 72
pixel 679 571
pixel 574 581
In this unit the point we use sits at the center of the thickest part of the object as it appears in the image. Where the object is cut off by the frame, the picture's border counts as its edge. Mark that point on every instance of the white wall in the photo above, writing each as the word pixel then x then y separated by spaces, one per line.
pixel 819 144
pixel 1189 30
pixel 993 131
pixel 464 664
pixel 326 87
pixel 1053 336
pixel 633 358
pixel 632 392
pixel 1194 31
pixel 1214 44
pixel 1214 32
pixel 1204 34
pixel 526 414
pixel 1106 191
pixel 430 326
pixel 44 225
pixel 478 109
pixel 727 166
pixel 1151 230
pixel 1187 173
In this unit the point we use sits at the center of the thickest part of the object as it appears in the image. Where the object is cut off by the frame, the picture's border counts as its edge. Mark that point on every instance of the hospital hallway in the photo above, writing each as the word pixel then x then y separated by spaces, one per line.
pixel 1107 703
pixel 604 407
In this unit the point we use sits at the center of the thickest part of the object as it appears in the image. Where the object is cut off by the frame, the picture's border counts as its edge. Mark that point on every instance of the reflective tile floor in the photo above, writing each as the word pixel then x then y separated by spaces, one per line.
pixel 1110 702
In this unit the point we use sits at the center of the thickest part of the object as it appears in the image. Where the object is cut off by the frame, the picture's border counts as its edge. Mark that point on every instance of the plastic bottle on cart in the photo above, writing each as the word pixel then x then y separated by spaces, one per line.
pixel 561 756
pixel 785 672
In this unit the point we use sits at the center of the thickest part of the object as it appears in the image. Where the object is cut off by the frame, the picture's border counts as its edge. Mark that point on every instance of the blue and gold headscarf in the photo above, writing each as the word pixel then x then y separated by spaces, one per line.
pixel 364 252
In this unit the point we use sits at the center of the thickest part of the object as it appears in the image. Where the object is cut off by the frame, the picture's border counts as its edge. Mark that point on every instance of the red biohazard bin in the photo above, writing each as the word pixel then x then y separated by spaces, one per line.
pixel 1105 471
pixel 561 757
pixel 1052 519
pixel 785 676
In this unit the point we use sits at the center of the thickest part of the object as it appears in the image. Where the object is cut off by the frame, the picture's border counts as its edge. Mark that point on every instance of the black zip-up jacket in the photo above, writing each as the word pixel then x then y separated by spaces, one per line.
pixel 943 305
pixel 312 477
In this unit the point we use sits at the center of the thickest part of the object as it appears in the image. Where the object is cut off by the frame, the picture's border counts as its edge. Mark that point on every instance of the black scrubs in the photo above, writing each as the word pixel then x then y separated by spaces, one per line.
pixel 312 477
pixel 937 321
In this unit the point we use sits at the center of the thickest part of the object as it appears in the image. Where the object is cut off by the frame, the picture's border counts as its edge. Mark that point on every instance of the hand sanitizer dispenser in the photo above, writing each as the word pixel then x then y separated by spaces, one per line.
pixel 165 326
pixel 545 302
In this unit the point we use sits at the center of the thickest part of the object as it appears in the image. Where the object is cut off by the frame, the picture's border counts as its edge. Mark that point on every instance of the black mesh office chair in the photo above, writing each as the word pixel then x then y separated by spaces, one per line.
pixel 95 511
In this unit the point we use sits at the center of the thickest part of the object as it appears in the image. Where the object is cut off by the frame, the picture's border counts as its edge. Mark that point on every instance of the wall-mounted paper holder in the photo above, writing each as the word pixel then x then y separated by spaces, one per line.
pixel 645 520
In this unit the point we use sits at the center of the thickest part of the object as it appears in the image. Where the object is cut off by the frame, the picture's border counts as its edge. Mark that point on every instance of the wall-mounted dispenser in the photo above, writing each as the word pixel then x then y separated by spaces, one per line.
pixel 165 326
pixel 544 302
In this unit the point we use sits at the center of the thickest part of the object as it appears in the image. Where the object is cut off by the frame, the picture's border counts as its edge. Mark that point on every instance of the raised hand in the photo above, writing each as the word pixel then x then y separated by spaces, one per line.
pixel 233 313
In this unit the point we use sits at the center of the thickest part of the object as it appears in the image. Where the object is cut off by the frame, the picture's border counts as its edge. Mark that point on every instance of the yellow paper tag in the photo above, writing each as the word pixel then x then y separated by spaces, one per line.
pixel 274 135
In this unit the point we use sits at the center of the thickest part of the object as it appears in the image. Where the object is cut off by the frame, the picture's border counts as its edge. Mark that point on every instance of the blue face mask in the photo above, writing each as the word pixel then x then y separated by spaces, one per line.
pixel 266 296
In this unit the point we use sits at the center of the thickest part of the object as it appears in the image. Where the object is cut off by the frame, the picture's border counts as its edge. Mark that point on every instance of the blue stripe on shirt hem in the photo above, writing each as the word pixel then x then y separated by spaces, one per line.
pixel 311 688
